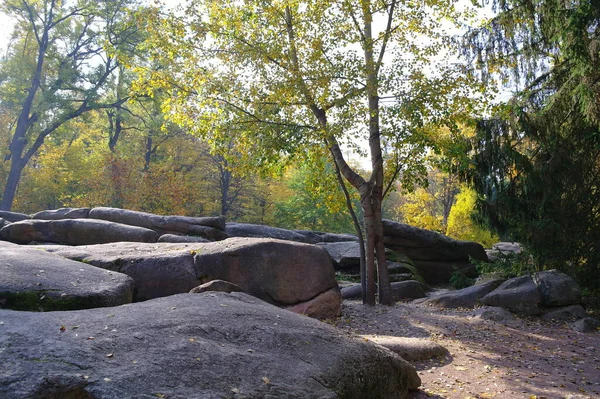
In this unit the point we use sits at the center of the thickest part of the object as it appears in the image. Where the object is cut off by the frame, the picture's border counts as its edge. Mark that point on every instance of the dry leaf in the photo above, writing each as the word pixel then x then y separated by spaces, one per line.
pixel 266 380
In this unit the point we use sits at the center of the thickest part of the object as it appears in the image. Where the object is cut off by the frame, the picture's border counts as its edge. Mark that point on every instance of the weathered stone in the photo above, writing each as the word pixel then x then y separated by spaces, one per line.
pixel 179 238
pixel 565 313
pixel 327 305
pixel 587 325
pixel 557 289
pixel 280 272
pixel 439 272
pixel 74 232
pixel 464 298
pixel 3 222
pixel 410 349
pixel 409 290
pixel 315 237
pixel 352 292
pixel 508 247
pixel 35 280
pixel 13 216
pixel 277 271
pixel 62 213
pixel 192 346
pixel 260 231
pixel 163 224
pixel 343 254
pixel 216 286
pixel 519 295
pixel 495 314
pixel 158 269
pixel 421 244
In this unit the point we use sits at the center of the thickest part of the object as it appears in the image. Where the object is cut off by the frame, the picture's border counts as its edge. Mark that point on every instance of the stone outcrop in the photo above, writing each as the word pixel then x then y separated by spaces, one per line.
pixel 62 213
pixel 261 231
pixel 210 345
pixel 519 295
pixel 181 238
pixel 35 280
pixel 345 255
pixel 411 349
pixel 402 290
pixel 216 286
pixel 13 216
pixel 435 255
pixel 503 249
pixel 280 272
pixel 557 289
pixel 74 232
pixel 207 227
pixel 495 314
pixel 465 298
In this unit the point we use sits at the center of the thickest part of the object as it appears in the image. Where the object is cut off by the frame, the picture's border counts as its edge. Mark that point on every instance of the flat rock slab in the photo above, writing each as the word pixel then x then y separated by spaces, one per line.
pixel 35 280
pixel 208 346
pixel 260 231
pixel 74 232
pixel 410 349
pixel 280 272
pixel 464 298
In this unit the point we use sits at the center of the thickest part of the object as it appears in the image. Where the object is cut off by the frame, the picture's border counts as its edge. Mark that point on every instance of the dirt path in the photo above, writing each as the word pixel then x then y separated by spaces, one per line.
pixel 533 360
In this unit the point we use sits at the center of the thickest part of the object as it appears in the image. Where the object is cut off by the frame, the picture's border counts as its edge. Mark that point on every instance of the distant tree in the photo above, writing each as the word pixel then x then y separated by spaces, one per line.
pixel 62 57
pixel 536 162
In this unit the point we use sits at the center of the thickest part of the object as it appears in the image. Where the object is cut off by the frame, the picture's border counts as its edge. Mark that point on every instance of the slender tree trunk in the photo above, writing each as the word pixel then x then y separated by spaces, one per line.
pixel 10 189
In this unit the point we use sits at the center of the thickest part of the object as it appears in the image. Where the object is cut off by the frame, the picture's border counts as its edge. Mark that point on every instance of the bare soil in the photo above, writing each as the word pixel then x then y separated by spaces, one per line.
pixel 534 359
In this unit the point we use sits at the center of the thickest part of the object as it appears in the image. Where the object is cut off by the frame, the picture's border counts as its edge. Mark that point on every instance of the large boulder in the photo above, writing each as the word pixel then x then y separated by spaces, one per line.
pixel 207 227
pixel 411 349
pixel 280 272
pixel 557 289
pixel 343 254
pixel 13 216
pixel 315 237
pixel 401 290
pixel 435 255
pixel 260 231
pixel 519 295
pixel 74 232
pixel 35 280
pixel 192 346
pixel 62 213
pixel 180 238
pixel 465 298
pixel 503 249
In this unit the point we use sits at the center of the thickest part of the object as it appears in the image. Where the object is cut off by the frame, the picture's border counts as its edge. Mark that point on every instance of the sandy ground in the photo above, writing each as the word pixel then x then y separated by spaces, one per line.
pixel 532 360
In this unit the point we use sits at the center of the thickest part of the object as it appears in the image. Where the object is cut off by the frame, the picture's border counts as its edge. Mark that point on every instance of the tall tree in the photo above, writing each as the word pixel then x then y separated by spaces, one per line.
pixel 313 73
pixel 67 52
pixel 537 161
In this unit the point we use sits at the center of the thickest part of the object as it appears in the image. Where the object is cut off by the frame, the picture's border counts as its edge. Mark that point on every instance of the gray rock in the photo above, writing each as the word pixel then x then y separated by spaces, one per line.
pixel 209 227
pixel 74 232
pixel 439 272
pixel 587 325
pixel 495 314
pixel 216 286
pixel 13 216
pixel 260 231
pixel 409 290
pixel 315 237
pixel 35 280
pixel 343 254
pixel 519 295
pixel 410 349
pixel 565 313
pixel 508 247
pixel 352 292
pixel 421 244
pixel 464 298
pixel 3 222
pixel 192 346
pixel 280 272
pixel 62 213
pixel 158 269
pixel 557 289
pixel 179 238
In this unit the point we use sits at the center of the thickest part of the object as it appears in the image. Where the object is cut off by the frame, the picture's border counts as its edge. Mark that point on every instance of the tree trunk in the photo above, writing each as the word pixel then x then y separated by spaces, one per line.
pixel 10 190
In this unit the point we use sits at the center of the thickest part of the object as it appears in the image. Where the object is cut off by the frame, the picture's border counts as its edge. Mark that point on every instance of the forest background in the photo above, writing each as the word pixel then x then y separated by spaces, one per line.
pixel 112 103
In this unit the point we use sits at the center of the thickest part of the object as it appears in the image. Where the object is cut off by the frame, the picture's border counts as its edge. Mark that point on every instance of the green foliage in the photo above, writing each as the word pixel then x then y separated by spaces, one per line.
pixel 509 265
pixel 460 280
pixel 461 224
